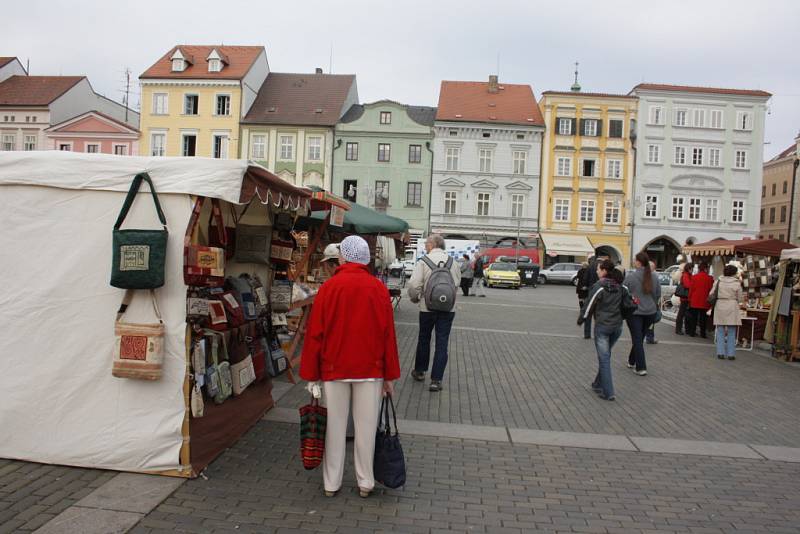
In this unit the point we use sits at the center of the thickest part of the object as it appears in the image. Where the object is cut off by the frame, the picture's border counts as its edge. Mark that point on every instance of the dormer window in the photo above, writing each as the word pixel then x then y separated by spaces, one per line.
pixel 178 65
pixel 214 65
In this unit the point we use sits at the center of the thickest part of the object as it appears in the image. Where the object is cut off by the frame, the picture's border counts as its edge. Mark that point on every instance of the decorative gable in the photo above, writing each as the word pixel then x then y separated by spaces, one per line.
pixel 179 61
pixel 484 184
pixel 216 61
pixel 518 186
pixel 451 182
pixel 696 182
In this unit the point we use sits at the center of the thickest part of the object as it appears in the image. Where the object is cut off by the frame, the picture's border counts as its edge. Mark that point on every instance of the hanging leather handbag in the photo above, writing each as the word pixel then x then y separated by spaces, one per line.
pixel 243 292
pixel 281 295
pixel 214 240
pixel 139 255
pixel 204 265
pixel 242 374
pixel 233 310
pixel 281 251
pixel 223 369
pixel 139 348
pixel 389 465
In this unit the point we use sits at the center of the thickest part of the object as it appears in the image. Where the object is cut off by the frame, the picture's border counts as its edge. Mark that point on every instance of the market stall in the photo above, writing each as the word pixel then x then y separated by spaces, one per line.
pixel 783 325
pixel 59 317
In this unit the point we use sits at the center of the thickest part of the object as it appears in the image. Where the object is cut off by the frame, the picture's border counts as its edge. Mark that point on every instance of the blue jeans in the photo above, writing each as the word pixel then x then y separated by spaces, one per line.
pixel 604 339
pixel 442 322
pixel 638 325
pixel 726 345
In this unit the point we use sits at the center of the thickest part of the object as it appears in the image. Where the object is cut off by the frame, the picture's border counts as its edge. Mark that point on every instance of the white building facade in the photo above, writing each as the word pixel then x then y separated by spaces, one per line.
pixel 698 167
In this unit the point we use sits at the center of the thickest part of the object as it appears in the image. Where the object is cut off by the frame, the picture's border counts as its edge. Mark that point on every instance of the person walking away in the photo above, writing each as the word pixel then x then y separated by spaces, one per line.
pixel 466 275
pixel 698 301
pixel 477 277
pixel 727 318
pixel 605 305
pixel 684 281
pixel 650 337
pixel 588 280
pixel 646 292
pixel 429 280
pixel 581 290
pixel 350 345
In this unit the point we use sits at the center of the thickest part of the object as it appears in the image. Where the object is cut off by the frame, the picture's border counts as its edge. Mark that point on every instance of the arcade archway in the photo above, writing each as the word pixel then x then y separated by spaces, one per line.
pixel 663 251
pixel 607 250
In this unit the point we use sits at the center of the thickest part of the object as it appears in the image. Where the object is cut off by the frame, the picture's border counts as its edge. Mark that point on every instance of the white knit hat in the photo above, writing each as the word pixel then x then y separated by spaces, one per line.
pixel 355 250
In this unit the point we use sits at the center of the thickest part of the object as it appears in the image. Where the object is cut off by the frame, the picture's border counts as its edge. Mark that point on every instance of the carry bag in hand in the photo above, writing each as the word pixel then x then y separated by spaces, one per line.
pixel 204 265
pixel 139 348
pixel 139 255
pixel 389 465
pixel 313 422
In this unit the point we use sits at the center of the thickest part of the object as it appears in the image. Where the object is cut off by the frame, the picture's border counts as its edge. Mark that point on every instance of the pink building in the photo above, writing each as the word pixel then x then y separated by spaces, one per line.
pixel 93 132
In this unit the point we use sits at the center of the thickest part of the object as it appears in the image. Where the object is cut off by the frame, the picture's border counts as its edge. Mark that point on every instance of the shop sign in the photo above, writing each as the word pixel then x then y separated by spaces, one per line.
pixel 337 216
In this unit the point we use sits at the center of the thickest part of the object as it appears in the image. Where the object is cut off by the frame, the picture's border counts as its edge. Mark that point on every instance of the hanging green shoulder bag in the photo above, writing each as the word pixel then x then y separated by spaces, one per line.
pixel 139 255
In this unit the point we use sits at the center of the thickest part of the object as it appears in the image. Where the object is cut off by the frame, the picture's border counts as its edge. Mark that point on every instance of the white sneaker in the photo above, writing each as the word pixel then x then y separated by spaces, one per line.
pixel 631 365
pixel 641 373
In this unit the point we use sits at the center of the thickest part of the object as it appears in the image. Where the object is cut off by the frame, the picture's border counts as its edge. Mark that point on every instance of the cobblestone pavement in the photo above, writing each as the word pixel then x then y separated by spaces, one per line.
pixel 517 359
pixel 475 486
pixel 33 494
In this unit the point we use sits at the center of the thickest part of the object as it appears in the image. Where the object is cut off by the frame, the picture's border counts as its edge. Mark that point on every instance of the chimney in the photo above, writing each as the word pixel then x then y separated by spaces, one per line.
pixel 318 70
pixel 492 83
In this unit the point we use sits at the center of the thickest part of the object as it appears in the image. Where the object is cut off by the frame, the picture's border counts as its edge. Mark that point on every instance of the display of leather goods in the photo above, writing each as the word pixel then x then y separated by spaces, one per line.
pixel 221 370
pixel 281 295
pixel 242 375
pixel 238 348
pixel 230 235
pixel 313 424
pixel 277 361
pixel 389 465
pixel 284 222
pixel 244 295
pixel 218 319
pixel 139 255
pixel 279 319
pixel 281 251
pixel 258 291
pixel 196 308
pixel 199 357
pixel 204 265
pixel 138 348
pixel 196 401
pixel 233 310
pixel 253 243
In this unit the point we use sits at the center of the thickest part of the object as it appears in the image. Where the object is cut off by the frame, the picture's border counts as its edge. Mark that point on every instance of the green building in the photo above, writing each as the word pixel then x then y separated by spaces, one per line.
pixel 382 159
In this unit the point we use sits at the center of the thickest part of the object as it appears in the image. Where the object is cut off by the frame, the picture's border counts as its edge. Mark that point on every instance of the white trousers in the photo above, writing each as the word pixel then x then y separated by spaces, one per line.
pixel 366 403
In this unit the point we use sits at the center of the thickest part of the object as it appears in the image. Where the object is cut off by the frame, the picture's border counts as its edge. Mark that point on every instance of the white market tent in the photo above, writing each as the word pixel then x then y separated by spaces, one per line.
pixel 60 402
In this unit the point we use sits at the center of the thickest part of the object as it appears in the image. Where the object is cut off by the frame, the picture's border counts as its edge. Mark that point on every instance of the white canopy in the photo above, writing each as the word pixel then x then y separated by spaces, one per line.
pixel 567 244
pixel 790 254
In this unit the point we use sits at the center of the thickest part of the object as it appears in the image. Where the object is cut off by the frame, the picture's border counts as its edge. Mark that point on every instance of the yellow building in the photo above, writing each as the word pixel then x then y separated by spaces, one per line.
pixel 587 176
pixel 194 97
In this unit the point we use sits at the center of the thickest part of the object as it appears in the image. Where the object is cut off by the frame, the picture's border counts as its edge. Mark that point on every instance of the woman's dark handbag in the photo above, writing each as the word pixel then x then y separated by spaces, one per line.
pixel 389 465
pixel 681 291
pixel 313 422
pixel 139 255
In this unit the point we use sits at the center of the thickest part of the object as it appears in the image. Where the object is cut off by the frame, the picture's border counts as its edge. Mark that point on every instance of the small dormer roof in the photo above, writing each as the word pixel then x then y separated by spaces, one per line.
pixel 216 54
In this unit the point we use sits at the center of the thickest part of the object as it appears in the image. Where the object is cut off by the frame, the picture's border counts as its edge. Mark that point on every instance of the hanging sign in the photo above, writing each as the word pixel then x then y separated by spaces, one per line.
pixel 337 216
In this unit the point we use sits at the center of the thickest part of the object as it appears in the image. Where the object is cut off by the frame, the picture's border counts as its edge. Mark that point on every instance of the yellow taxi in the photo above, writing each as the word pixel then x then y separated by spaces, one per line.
pixel 501 274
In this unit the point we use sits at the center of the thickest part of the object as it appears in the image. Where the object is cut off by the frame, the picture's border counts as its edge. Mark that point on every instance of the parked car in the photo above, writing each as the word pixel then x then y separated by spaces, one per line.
pixel 566 273
pixel 666 283
pixel 501 274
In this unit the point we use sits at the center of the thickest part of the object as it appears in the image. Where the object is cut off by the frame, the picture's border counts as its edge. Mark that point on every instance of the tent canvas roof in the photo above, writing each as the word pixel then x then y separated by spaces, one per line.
pixel 760 247
pixel 363 220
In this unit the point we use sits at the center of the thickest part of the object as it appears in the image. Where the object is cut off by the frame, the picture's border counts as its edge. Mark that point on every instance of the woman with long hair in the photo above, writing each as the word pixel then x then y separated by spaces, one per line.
pixel 685 280
pixel 643 284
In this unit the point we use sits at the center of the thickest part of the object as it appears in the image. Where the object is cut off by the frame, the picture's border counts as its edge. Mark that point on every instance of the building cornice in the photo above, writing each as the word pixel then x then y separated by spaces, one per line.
pixel 190 82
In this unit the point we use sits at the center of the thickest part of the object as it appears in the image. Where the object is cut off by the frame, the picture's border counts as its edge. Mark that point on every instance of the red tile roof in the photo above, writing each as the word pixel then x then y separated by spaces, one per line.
pixel 788 152
pixel 472 102
pixel 581 93
pixel 6 60
pixel 694 89
pixel 238 60
pixel 35 90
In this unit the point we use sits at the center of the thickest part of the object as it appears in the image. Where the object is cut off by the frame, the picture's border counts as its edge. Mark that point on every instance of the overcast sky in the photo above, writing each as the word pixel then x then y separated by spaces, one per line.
pixel 402 49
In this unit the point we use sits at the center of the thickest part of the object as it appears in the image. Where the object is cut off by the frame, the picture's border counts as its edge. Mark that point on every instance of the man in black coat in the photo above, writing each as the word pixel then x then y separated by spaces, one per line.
pixel 585 283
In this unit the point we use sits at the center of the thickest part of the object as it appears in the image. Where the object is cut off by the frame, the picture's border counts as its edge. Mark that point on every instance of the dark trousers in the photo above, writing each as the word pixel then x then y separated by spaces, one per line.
pixel 442 322
pixel 696 316
pixel 682 319
pixel 466 284
pixel 638 326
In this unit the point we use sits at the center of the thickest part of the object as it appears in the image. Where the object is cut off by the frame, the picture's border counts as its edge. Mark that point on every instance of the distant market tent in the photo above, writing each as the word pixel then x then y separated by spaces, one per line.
pixel 363 220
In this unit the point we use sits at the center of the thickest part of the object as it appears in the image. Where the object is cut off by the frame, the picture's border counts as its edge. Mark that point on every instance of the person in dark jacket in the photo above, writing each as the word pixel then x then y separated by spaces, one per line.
pixel 685 280
pixel 698 300
pixel 605 304
pixel 466 274
pixel 581 290
pixel 587 281
pixel 646 292
pixel 477 276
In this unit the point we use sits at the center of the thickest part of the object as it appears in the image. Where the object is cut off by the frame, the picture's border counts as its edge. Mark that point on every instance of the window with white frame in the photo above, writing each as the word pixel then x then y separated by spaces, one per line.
pixel 121 150
pixel 92 148
pixel 680 117
pixel 713 157
pixel 414 153
pixel 382 194
pixel 590 127
pixel 66 147
pixel 737 211
pixel 160 104
pixel 744 120
pixel 520 158
pixel 314 149
pixel 29 142
pixel 214 65
pixel 564 167
pixel 219 146
pixel 517 205
pixel 712 209
pixel 223 105
pixel 653 153
pixel 158 142
pixel 9 141
pixel 561 210
pixel 680 155
pixel 716 118
pixel 178 65
pixel 695 208
pixel 612 212
pixel 287 147
pixel 483 203
pixel 485 159
pixel 384 152
pixel 651 206
pixel 414 194
pixel 450 202
pixel 656 115
pixel 677 207
pixel 587 211
pixel 564 126
pixel 740 161
pixel 191 104
pixel 699 118
pixel 452 156
pixel 614 168
pixel 697 156
pixel 351 152
pixel 386 117
pixel 259 146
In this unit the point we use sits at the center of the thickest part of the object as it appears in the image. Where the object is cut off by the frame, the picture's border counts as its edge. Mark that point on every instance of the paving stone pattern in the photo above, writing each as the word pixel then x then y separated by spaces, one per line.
pixel 535 373
pixel 33 494
pixel 457 485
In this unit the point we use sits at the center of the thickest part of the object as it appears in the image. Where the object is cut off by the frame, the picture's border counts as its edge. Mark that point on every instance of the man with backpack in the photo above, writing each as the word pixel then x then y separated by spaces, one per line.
pixel 433 285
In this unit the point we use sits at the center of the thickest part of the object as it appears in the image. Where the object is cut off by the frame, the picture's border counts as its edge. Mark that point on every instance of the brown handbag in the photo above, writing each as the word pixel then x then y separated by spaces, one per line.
pixel 204 265
pixel 139 348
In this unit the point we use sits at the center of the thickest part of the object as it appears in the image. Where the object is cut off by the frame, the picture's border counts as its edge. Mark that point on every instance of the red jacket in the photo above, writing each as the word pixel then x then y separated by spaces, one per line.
pixel 699 289
pixel 686 281
pixel 350 333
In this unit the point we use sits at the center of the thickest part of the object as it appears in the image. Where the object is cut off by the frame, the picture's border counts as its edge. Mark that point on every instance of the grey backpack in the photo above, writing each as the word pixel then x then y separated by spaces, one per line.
pixel 440 289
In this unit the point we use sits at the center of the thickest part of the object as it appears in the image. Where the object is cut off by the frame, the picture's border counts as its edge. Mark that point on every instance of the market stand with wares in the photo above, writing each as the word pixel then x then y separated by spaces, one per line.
pixel 758 261
pixel 58 318
pixel 783 325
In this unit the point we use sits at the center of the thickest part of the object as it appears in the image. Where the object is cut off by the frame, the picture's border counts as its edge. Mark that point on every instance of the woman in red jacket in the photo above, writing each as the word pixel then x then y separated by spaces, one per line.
pixel 682 319
pixel 698 300
pixel 350 345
